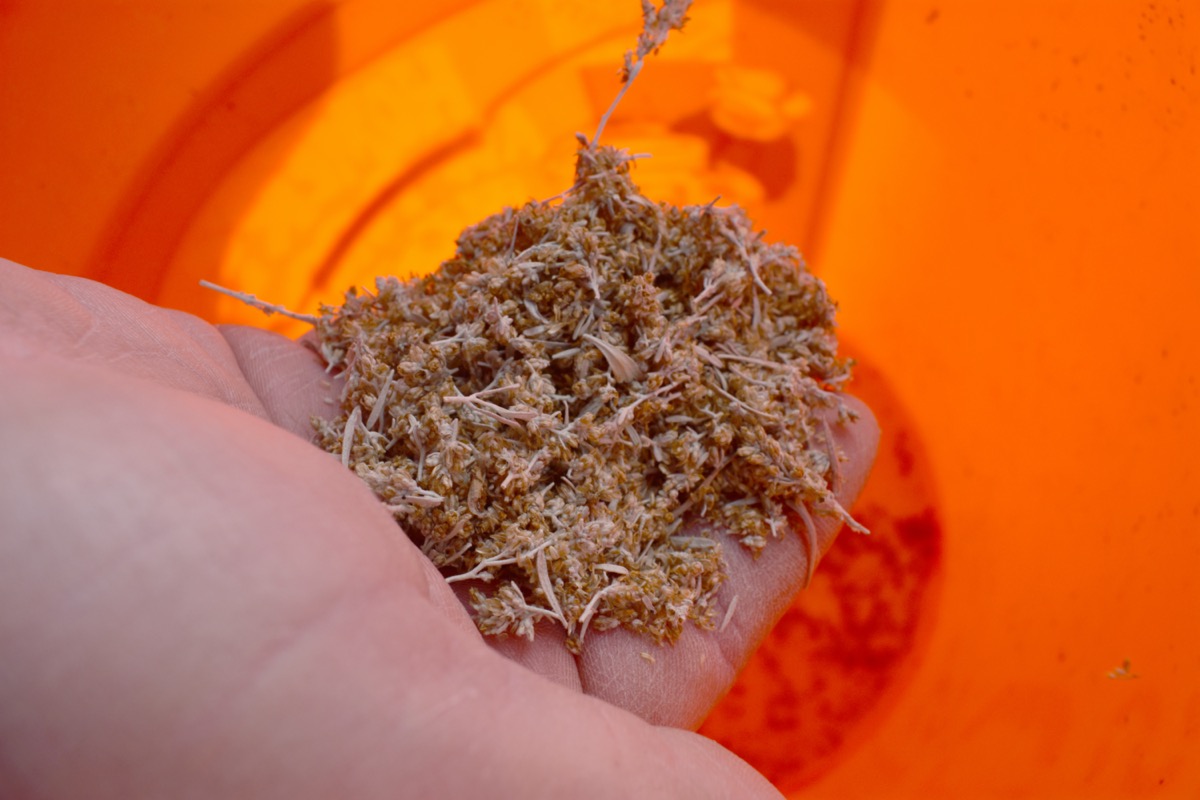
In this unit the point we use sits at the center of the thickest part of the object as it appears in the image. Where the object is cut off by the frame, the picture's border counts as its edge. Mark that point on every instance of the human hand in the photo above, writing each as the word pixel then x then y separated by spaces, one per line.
pixel 196 602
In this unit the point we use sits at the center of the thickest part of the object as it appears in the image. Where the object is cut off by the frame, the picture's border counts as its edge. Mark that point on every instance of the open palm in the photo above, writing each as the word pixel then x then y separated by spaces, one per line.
pixel 196 602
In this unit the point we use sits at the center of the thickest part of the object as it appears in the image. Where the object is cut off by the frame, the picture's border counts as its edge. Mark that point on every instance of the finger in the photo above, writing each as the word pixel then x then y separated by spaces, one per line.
pixel 764 586
pixel 194 603
pixel 288 377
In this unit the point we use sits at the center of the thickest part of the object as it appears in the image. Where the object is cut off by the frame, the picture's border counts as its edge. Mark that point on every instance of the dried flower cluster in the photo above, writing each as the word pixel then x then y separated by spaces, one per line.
pixel 545 412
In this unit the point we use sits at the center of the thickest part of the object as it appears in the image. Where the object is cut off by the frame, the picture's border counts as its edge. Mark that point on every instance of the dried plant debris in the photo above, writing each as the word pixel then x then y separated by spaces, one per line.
pixel 573 413
pixel 546 412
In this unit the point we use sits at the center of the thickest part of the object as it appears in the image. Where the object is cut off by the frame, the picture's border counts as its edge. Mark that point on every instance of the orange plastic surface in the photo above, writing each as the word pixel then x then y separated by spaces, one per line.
pixel 1002 196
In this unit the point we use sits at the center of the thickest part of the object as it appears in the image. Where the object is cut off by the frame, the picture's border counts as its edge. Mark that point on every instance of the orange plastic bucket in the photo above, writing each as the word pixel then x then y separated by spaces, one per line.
pixel 1002 196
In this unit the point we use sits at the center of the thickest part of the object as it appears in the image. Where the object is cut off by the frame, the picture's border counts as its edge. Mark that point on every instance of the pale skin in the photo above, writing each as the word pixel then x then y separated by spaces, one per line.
pixel 196 602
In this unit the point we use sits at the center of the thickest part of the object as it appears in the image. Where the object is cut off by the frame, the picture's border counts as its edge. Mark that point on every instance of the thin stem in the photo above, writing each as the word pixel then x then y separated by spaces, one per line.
pixel 266 308
pixel 633 73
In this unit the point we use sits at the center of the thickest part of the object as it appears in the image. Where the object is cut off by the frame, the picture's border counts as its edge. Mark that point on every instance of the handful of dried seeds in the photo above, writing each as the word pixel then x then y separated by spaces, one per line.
pixel 544 412
pixel 548 413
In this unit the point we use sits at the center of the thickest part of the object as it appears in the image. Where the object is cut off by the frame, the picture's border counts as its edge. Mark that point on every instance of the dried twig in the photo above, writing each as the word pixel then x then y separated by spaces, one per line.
pixel 254 302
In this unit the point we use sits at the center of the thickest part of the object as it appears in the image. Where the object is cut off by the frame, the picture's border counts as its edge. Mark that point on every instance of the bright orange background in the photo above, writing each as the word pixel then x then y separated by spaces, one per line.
pixel 1001 195
pixel 1016 240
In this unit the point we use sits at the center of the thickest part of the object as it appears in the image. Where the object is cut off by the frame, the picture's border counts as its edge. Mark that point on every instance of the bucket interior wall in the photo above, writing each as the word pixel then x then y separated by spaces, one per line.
pixel 1001 196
